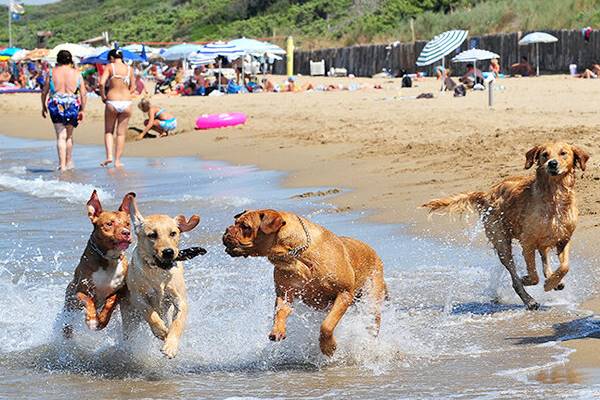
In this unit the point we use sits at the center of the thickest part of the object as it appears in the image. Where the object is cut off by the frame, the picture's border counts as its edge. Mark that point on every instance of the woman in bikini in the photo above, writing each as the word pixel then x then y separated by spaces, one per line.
pixel 64 98
pixel 121 85
pixel 159 120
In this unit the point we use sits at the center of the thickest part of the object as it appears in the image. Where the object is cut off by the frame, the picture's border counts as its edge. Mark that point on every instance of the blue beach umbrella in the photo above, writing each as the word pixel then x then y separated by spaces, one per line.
pixel 253 46
pixel 102 58
pixel 9 51
pixel 180 51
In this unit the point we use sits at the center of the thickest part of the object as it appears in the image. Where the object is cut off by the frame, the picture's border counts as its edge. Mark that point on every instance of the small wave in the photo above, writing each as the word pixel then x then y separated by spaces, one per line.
pixel 51 189
pixel 232 201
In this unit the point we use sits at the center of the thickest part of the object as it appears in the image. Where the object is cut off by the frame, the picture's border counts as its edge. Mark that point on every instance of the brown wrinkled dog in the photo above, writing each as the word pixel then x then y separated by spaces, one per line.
pixel 156 289
pixel 100 276
pixel 539 211
pixel 325 271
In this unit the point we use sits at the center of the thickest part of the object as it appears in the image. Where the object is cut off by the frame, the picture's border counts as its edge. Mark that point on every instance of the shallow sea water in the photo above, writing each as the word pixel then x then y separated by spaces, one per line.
pixel 453 327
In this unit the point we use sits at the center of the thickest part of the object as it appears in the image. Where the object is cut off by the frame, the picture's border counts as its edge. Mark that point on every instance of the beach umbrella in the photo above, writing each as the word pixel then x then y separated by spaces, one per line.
pixel 537 38
pixel 102 58
pixel 253 46
pixel 19 55
pixel 441 45
pixel 221 49
pixel 9 51
pixel 77 51
pixel 139 48
pixel 180 51
pixel 196 58
pixel 37 54
pixel 474 55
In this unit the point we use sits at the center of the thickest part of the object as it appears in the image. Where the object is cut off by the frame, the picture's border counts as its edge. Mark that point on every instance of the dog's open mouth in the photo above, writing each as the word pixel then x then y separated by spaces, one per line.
pixel 235 252
pixel 122 244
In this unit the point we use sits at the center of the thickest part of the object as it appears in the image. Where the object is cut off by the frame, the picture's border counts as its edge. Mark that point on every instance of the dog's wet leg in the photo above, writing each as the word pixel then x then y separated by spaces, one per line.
pixel 283 309
pixel 340 305
pixel 554 281
pixel 504 250
pixel 532 278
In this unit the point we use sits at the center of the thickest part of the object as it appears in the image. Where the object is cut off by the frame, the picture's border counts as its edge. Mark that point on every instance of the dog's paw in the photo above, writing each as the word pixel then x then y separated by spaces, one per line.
pixel 550 284
pixel 560 286
pixel 529 281
pixel 169 349
pixel 92 323
pixel 533 305
pixel 328 345
pixel 277 336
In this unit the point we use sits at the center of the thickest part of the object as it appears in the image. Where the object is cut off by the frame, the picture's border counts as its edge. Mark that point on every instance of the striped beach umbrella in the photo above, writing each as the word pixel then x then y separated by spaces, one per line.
pixel 441 45
pixel 216 49
pixel 196 58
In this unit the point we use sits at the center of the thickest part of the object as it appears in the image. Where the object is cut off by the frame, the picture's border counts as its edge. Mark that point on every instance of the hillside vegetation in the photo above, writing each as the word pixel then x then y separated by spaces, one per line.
pixel 314 23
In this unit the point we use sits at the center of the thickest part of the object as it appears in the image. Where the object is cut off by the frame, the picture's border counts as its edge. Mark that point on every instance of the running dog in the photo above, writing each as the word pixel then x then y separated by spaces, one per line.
pixel 539 211
pixel 100 276
pixel 156 289
pixel 311 263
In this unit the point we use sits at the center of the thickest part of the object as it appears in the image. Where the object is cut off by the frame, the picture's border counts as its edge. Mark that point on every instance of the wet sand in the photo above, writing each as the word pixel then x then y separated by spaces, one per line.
pixel 391 150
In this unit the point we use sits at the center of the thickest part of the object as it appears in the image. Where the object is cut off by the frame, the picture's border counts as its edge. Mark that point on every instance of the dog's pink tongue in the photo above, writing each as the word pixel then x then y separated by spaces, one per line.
pixel 123 245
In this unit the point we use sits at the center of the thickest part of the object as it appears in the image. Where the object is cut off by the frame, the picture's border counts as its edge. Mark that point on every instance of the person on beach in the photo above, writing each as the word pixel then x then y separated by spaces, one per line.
pixel 121 85
pixel 64 98
pixel 495 67
pixel 158 120
pixel 522 68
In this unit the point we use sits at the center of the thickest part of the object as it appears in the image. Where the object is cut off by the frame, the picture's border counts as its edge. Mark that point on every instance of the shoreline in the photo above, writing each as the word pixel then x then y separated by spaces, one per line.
pixel 391 151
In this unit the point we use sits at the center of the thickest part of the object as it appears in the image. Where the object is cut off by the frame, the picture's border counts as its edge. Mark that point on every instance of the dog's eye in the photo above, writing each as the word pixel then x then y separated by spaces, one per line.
pixel 173 234
pixel 563 153
pixel 109 223
pixel 544 155
pixel 152 235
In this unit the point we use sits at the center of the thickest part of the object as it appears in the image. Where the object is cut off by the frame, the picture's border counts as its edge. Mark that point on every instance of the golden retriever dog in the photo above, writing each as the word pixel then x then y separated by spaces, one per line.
pixel 156 290
pixel 312 264
pixel 100 275
pixel 539 211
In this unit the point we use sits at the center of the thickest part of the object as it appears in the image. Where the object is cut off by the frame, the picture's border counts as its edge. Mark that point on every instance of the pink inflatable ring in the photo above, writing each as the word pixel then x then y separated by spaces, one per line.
pixel 210 121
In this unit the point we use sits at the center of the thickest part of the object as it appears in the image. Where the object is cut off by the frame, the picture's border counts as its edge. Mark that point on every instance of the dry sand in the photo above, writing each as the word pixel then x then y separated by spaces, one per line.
pixel 393 151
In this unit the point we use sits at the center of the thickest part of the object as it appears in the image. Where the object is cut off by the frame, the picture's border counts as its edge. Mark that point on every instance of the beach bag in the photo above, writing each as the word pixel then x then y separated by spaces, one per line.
pixel 406 81
pixel 460 91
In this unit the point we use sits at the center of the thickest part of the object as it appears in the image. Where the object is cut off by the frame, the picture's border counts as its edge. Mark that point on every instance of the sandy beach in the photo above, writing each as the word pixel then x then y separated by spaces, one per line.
pixel 390 150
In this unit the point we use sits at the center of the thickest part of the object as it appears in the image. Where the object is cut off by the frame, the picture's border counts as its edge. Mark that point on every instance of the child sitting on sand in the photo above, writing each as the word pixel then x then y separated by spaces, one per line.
pixel 158 119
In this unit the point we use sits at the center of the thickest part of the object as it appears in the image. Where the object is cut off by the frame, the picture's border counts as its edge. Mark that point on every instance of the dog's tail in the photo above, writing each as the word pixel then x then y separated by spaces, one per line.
pixel 458 204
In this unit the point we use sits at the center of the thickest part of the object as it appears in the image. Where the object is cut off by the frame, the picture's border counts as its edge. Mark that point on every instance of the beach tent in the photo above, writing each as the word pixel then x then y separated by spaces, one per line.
pixel 102 58
pixel 77 51
pixel 180 51
pixel 441 45
pixel 537 38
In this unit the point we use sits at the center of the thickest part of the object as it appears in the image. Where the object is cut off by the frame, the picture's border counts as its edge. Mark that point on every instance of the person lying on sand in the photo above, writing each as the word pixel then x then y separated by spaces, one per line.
pixel 472 76
pixel 523 68
pixel 158 120
pixel 590 73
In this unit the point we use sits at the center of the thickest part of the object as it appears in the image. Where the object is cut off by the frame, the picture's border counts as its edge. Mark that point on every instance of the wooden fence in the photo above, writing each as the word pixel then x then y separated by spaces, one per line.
pixel 367 60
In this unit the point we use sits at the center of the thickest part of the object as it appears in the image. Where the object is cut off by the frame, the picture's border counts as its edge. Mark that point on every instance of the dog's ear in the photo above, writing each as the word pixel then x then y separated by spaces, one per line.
pixel 134 213
pixel 532 156
pixel 580 157
pixel 126 203
pixel 270 221
pixel 94 208
pixel 240 214
pixel 185 226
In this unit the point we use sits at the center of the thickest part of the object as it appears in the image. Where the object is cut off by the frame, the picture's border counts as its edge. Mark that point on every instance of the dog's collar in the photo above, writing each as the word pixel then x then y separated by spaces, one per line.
pixel 94 247
pixel 298 250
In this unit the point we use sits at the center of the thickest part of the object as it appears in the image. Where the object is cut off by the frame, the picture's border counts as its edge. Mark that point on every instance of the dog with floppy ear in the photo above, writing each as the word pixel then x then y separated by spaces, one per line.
pixel 539 211
pixel 155 282
pixel 325 271
pixel 100 276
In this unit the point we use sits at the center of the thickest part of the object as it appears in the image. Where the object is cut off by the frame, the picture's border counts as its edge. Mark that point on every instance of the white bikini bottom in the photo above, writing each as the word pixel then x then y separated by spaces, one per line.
pixel 119 105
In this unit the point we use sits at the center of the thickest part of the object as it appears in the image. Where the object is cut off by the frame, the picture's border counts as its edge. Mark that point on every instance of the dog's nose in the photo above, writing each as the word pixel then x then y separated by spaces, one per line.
pixel 168 254
pixel 125 233
pixel 553 164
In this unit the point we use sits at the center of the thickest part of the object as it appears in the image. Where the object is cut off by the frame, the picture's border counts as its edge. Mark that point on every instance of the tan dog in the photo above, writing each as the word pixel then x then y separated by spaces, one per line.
pixel 539 211
pixel 155 282
pixel 100 276
pixel 325 271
